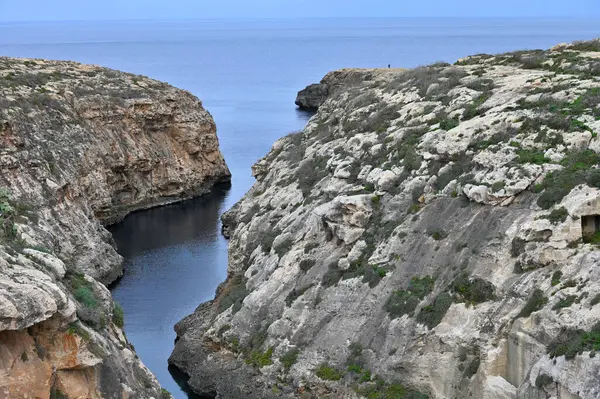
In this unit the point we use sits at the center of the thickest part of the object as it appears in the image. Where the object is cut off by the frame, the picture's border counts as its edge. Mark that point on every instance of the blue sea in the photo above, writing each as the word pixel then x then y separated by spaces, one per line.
pixel 247 73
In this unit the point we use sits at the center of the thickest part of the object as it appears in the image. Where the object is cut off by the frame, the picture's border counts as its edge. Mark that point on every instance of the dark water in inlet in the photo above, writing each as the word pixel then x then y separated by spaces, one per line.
pixel 247 73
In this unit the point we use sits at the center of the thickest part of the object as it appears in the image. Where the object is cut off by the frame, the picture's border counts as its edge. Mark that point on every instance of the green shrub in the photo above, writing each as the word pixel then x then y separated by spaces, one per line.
pixel 570 283
pixel 326 372
pixel 383 390
pixel 283 247
pixel 595 300
pixel 86 297
pixel 234 294
pixel 118 315
pixel 565 302
pixel 472 289
pixel 306 264
pixel 380 271
pixel 414 208
pixel 531 156
pixel 589 45
pixel 432 315
pixel 542 380
pixel 472 110
pixel 7 215
pixel 577 170
pixel 438 235
pixel 536 302
pixel 592 238
pixel 557 215
pixel 76 329
pixel 448 124
pixel 260 359
pixel 403 302
pixel 56 393
pixel 369 188
pixel 355 357
pixel 556 278
pixel 517 247
pixel 380 121
pixel 485 85
pixel 363 375
pixel 472 368
pixel 310 246
pixel 289 358
pixel 497 186
pixel 533 61
pixel 573 342
pixel 311 172
pixel 164 394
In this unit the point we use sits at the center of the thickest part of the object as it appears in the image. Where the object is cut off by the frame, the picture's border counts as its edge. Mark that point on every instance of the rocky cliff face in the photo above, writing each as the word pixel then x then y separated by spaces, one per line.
pixel 431 233
pixel 80 147
pixel 314 95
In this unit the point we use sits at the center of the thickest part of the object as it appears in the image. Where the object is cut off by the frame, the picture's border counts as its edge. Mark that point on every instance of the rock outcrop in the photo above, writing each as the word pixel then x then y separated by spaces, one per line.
pixel 80 147
pixel 431 233
pixel 311 98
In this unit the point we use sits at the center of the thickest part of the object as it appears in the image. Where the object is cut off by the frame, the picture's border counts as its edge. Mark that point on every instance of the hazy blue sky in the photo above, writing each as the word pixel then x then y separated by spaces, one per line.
pixel 27 10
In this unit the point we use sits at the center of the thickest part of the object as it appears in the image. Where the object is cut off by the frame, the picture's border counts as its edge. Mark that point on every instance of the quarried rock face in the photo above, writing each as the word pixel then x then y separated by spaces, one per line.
pixel 81 147
pixel 427 235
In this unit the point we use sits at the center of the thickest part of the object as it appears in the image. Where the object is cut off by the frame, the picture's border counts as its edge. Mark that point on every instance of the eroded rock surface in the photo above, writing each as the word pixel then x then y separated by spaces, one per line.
pixel 431 233
pixel 80 147
pixel 314 95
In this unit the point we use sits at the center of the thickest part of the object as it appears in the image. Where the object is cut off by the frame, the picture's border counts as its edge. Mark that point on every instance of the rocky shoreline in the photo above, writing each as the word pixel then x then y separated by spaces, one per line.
pixel 431 233
pixel 80 147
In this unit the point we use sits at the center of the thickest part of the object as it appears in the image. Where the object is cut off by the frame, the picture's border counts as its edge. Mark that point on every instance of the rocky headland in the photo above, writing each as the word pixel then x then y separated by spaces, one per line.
pixel 432 232
pixel 81 147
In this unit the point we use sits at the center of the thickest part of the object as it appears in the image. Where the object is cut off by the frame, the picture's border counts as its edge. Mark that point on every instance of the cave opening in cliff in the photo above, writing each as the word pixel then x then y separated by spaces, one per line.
pixel 590 228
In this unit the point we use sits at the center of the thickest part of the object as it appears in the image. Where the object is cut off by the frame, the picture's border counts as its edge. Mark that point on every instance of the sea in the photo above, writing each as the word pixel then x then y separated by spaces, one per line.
pixel 247 73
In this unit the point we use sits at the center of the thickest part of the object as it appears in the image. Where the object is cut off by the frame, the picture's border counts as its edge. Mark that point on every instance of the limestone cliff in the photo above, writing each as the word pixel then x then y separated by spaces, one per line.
pixel 80 147
pixel 314 95
pixel 431 233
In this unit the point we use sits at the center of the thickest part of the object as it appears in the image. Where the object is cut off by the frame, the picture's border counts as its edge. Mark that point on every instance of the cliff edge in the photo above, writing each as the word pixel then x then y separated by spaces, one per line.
pixel 80 147
pixel 431 233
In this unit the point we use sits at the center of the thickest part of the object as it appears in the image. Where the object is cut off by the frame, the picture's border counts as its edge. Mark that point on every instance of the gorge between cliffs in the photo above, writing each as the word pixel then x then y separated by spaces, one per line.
pixel 430 233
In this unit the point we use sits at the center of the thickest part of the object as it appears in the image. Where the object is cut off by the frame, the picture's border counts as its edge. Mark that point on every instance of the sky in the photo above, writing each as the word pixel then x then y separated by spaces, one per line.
pixel 62 10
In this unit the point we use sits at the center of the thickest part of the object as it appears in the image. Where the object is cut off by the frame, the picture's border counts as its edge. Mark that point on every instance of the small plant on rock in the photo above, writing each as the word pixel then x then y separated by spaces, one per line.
pixel 403 302
pixel 289 358
pixel 328 373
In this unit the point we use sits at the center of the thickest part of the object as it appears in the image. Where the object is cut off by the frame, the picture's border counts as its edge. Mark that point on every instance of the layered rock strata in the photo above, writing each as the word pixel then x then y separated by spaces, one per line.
pixel 431 233
pixel 81 147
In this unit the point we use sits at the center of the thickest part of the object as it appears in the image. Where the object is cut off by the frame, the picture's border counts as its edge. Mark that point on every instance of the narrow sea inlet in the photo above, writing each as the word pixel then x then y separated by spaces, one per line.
pixel 247 75
pixel 175 257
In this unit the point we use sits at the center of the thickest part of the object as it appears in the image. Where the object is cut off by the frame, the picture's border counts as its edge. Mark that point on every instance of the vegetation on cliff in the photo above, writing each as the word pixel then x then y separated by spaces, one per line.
pixel 435 218
pixel 80 147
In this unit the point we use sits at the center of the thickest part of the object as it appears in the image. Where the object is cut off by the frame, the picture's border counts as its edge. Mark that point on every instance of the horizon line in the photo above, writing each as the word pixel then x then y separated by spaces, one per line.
pixel 546 17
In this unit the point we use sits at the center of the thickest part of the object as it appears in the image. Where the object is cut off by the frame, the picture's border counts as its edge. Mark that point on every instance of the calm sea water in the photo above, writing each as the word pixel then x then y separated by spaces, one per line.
pixel 247 73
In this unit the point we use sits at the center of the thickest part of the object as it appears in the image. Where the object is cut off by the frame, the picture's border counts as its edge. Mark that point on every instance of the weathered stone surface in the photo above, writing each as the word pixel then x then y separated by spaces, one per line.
pixel 470 174
pixel 314 95
pixel 81 147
